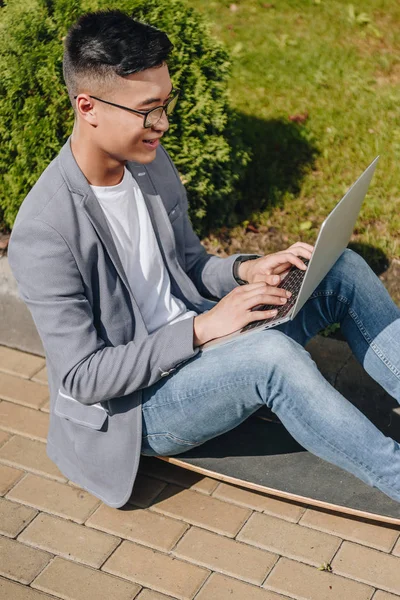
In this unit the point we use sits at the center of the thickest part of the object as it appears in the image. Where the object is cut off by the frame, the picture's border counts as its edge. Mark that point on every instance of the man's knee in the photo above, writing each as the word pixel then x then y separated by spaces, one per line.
pixel 277 348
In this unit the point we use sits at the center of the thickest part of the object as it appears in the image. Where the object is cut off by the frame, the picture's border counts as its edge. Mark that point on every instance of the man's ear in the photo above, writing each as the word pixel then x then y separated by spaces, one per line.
pixel 86 109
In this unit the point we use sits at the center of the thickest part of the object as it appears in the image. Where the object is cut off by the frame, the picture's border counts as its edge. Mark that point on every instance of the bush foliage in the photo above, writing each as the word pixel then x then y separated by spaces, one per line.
pixel 36 117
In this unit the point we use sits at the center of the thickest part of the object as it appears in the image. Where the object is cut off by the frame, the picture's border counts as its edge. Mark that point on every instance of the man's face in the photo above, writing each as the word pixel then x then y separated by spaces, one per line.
pixel 121 134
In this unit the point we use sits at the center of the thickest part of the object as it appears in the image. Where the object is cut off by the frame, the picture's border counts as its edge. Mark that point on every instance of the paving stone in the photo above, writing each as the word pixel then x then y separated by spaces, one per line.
pixel 67 539
pixel 71 581
pixel 41 376
pixel 283 509
pixel 289 539
pixel 396 549
pixel 204 511
pixel 157 571
pixel 379 595
pixel 9 590
pixel 53 497
pixel 206 485
pixel 46 407
pixel 14 517
pixel 145 490
pixel 369 566
pixel 356 530
pixel 19 562
pixel 22 391
pixel 220 587
pixel 307 583
pixel 19 363
pixel 29 455
pixel 219 553
pixel 143 526
pixel 177 475
pixel 4 437
pixel 8 478
pixel 24 421
pixel 152 595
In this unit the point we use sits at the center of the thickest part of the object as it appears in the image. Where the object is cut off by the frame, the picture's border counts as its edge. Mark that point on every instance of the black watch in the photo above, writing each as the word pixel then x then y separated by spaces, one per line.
pixel 237 264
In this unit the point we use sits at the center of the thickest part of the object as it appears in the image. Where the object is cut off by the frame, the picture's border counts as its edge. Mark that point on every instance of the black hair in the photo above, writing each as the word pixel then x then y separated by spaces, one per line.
pixel 107 43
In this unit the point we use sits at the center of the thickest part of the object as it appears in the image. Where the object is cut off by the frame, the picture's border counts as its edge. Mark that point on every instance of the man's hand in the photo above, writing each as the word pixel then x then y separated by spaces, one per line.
pixel 266 268
pixel 234 311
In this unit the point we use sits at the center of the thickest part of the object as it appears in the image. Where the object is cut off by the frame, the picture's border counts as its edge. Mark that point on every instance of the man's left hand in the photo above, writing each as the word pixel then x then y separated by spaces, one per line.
pixel 273 267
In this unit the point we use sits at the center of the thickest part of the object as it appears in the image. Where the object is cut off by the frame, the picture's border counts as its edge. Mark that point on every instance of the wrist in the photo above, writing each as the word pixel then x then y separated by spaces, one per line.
pixel 241 269
pixel 200 335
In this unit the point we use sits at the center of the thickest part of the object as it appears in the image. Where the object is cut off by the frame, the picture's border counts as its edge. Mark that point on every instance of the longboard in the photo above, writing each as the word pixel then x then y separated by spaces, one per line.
pixel 261 455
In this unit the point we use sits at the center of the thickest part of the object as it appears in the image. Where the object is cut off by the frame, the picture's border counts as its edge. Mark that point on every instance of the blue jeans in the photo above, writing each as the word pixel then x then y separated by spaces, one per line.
pixel 219 388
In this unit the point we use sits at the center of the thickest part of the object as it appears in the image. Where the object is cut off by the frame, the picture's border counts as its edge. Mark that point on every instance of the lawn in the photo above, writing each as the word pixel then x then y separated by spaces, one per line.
pixel 316 88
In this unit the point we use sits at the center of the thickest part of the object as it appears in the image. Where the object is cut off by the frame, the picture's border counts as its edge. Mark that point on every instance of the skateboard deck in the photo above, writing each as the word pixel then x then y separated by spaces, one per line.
pixel 261 455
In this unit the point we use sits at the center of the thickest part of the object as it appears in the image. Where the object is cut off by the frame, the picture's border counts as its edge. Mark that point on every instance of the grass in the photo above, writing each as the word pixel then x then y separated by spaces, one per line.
pixel 316 88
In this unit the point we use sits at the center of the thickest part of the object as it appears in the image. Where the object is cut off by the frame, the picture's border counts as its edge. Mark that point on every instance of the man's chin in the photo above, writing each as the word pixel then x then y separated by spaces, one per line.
pixel 142 157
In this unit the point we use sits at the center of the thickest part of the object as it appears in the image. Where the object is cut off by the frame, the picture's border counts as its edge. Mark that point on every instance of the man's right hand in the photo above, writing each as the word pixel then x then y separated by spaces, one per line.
pixel 234 310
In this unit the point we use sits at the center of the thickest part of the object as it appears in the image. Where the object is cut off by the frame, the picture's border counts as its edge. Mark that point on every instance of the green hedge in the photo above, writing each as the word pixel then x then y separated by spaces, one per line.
pixel 36 117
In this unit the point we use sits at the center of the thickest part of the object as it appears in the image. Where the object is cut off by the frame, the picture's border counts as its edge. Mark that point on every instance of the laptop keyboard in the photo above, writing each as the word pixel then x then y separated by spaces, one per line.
pixel 292 283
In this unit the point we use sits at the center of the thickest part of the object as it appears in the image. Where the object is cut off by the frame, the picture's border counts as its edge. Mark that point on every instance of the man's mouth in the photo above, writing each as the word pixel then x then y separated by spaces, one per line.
pixel 152 143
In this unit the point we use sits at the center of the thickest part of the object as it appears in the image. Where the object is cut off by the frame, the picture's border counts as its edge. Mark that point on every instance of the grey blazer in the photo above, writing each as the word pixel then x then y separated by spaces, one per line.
pixel 99 353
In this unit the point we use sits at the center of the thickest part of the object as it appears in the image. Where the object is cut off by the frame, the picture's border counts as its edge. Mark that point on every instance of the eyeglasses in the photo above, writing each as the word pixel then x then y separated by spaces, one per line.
pixel 150 117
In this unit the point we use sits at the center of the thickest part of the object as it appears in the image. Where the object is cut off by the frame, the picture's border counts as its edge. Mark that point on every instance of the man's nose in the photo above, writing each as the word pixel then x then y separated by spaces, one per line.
pixel 163 123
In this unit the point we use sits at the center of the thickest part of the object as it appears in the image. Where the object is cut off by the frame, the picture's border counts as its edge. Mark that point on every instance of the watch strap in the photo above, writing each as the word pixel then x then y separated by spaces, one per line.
pixel 238 262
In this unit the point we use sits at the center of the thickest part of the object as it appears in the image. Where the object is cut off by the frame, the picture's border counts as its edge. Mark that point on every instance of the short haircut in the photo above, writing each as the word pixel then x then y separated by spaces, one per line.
pixel 106 44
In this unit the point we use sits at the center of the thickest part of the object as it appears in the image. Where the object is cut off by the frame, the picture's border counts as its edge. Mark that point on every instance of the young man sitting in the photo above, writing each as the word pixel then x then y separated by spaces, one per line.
pixel 122 291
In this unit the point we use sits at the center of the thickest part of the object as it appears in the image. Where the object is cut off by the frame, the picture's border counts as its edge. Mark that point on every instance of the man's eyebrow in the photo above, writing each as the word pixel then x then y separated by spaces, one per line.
pixel 153 100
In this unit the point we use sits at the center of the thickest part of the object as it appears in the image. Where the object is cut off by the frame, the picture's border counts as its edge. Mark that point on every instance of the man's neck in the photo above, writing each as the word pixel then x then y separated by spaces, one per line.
pixel 98 168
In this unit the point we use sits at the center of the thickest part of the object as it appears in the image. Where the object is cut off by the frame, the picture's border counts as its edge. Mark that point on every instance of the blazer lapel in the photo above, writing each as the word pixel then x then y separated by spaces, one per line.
pixel 157 215
pixel 83 195
pixel 96 216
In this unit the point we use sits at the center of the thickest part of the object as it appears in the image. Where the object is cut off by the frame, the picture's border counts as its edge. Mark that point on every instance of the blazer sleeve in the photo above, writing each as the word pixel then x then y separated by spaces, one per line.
pixel 50 283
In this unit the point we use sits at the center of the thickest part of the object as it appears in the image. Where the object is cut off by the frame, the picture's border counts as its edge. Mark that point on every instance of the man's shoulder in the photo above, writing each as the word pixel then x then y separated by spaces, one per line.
pixel 50 189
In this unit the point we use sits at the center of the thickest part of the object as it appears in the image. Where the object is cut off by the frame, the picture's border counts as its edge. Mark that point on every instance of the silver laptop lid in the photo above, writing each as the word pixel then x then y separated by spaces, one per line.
pixel 334 235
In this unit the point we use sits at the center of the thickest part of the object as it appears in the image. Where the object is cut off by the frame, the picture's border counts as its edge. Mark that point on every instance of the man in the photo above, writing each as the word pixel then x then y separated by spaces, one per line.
pixel 123 294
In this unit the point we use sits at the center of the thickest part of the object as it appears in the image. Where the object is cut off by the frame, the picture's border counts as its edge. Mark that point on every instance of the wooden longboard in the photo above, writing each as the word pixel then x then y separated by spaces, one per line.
pixel 261 455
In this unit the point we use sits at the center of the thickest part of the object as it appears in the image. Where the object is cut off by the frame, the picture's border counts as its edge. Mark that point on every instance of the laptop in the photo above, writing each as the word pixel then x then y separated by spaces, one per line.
pixel 332 240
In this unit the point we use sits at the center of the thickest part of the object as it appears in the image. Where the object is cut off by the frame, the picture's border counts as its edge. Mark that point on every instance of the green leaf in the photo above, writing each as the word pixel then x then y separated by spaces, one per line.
pixel 305 225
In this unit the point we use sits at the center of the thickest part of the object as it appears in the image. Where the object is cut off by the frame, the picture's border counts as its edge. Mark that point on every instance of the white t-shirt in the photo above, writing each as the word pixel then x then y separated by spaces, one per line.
pixel 129 221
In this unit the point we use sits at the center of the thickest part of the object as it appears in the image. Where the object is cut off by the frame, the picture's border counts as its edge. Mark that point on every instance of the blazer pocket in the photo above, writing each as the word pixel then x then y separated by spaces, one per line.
pixel 93 416
pixel 175 212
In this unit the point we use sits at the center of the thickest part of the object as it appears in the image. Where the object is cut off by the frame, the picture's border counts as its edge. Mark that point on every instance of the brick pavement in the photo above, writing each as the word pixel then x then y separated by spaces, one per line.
pixel 182 536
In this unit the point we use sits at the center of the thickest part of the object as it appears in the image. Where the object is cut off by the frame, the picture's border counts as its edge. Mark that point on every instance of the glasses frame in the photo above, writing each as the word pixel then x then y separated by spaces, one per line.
pixel 144 113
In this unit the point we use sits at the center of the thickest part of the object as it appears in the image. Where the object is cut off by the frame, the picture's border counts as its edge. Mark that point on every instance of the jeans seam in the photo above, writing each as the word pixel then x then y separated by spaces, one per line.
pixel 372 345
pixel 193 397
pixel 362 330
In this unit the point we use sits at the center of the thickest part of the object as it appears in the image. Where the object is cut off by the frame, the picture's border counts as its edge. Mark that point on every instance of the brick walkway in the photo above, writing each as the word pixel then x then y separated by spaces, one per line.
pixel 182 536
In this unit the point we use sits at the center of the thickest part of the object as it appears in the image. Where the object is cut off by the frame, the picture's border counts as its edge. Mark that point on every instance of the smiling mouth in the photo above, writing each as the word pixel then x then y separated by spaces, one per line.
pixel 152 143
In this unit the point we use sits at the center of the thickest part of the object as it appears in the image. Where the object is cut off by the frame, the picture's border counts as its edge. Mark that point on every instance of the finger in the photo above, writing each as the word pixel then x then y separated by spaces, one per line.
pixel 303 245
pixel 261 315
pixel 289 257
pixel 261 294
pixel 270 280
pixel 259 302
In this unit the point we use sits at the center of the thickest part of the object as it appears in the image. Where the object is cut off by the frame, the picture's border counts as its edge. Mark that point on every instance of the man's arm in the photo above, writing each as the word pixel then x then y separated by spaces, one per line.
pixel 51 285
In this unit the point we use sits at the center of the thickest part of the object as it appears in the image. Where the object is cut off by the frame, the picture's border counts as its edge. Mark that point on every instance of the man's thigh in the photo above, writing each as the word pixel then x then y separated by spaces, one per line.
pixel 213 392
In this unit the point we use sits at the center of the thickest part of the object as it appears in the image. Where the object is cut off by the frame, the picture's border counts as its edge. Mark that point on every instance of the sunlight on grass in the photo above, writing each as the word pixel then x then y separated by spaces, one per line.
pixel 316 85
